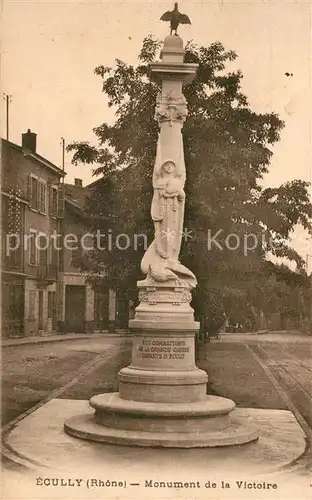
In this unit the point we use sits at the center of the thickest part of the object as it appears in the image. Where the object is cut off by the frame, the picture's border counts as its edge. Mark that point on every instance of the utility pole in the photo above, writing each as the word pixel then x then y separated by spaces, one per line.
pixel 8 100
pixel 63 154
pixel 61 230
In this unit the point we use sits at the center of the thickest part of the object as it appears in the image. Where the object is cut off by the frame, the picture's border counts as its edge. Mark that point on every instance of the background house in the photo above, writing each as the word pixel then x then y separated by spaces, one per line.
pixel 32 206
pixel 84 306
pixel 44 289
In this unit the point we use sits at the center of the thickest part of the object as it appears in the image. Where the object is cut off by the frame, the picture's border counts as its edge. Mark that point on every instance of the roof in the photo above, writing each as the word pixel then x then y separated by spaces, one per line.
pixel 35 156
pixel 120 172
pixel 76 195
pixel 96 182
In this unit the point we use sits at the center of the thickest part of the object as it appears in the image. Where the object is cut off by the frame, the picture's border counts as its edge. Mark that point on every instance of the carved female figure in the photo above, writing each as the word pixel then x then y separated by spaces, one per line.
pixel 162 258
pixel 168 194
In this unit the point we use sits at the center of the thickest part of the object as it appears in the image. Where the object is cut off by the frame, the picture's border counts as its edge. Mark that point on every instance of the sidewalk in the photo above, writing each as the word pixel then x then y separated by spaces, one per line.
pixel 270 336
pixel 59 337
pixel 277 336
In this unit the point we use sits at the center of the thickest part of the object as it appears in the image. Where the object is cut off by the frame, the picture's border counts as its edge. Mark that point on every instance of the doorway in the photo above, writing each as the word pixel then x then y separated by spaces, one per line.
pixel 101 308
pixel 12 306
pixel 40 313
pixel 122 306
pixel 52 310
pixel 75 304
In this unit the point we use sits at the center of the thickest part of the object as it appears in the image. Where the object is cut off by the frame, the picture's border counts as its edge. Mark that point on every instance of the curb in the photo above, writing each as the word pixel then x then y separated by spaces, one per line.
pixel 62 338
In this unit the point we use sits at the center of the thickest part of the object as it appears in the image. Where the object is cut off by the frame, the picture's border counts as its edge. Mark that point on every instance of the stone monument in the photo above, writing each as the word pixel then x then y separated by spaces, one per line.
pixel 162 399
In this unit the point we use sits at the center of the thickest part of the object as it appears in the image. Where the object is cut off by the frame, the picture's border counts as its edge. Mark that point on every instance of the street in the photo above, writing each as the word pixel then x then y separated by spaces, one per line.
pixel 254 371
pixel 81 368
pixel 270 372
pixel 76 369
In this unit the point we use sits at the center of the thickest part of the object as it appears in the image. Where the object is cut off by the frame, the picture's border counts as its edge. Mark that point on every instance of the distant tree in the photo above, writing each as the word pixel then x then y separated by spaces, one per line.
pixel 227 153
pixel 292 292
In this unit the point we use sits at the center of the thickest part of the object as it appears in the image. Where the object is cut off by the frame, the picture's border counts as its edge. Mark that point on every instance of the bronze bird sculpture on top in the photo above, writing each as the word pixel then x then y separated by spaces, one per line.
pixel 175 18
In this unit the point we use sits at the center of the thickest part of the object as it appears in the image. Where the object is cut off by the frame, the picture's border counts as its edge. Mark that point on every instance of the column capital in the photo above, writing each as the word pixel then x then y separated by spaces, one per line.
pixel 185 72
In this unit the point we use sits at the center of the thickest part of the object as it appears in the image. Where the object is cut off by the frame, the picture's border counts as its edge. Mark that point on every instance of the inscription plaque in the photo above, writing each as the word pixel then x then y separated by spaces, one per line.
pixel 162 349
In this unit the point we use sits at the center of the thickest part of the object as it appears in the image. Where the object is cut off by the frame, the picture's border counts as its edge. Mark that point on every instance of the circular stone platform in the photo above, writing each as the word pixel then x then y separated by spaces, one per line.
pixel 39 443
pixel 208 423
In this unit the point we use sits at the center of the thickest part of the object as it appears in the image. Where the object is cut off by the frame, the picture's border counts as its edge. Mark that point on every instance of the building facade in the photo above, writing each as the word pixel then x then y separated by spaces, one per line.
pixel 84 307
pixel 32 207
pixel 45 235
pixel 80 310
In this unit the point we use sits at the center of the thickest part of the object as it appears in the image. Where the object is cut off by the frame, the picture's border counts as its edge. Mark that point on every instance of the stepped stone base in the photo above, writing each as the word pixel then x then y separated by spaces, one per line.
pixel 162 399
pixel 207 423
pixel 39 443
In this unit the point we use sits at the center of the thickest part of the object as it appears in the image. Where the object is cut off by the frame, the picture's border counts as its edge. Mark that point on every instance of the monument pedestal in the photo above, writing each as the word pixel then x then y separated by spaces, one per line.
pixel 163 366
pixel 162 399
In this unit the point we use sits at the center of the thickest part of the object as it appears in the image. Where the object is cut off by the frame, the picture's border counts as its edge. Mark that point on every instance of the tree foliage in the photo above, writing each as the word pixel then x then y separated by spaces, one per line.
pixel 228 148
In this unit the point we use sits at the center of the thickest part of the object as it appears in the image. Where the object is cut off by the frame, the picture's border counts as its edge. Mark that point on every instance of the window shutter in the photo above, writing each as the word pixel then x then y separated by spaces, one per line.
pixel 29 193
pixel 42 197
pixel 35 193
pixel 53 200
pixel 61 202
pixel 46 195
pixel 50 195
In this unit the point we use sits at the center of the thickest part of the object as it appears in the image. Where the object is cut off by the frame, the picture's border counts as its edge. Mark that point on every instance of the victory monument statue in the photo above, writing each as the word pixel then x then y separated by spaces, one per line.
pixel 162 398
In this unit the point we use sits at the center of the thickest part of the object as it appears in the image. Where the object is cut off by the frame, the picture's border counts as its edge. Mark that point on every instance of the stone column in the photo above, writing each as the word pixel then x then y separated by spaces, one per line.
pixel 163 361
pixel 162 399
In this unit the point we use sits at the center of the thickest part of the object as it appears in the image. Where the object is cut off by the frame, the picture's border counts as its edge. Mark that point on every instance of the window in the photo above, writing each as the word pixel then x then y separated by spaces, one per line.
pixel 43 257
pixel 42 242
pixel 37 194
pixel 33 192
pixel 54 256
pixel 53 201
pixel 15 251
pixel 42 198
pixel 32 249
pixel 76 252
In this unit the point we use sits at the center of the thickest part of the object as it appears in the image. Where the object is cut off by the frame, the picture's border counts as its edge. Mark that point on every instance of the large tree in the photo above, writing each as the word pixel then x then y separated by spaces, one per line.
pixel 228 148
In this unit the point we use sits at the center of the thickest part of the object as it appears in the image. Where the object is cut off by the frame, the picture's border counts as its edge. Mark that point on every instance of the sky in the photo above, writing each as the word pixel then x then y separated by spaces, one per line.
pixel 50 49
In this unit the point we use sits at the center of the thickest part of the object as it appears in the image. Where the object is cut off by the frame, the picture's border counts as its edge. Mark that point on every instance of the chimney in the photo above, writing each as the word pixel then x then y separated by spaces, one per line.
pixel 78 182
pixel 29 140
